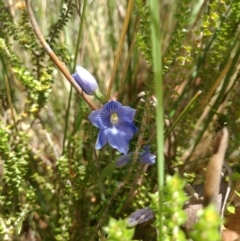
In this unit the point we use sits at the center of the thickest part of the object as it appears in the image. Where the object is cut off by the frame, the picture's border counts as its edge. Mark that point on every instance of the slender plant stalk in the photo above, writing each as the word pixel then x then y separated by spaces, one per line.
pixel 120 47
pixel 183 113
pixel 217 82
pixel 10 102
pixel 128 58
pixel 79 35
pixel 157 69
pixel 53 56
pixel 73 69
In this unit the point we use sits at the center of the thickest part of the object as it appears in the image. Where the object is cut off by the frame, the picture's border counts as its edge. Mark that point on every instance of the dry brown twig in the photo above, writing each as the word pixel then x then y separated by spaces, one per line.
pixel 213 178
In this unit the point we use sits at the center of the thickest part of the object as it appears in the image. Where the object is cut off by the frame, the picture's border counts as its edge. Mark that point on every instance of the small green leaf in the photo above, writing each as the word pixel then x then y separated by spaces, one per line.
pixel 188 48
pixel 206 32
pixel 238 193
pixel 109 169
pixel 117 230
pixel 214 16
pixel 231 209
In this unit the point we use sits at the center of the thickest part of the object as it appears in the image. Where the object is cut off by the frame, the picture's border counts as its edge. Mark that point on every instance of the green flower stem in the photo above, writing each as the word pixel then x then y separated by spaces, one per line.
pixel 79 35
pixel 183 113
pixel 157 69
pixel 72 70
pixel 101 190
pixel 100 96
pixel 7 86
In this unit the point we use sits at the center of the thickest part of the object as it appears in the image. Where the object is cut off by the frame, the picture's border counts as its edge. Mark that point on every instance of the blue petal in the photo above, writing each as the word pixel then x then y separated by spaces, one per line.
pixel 133 128
pixel 112 106
pixel 119 137
pixel 105 118
pixel 140 216
pixel 96 117
pixel 126 114
pixel 148 158
pixel 101 139
pixel 128 125
pixel 122 160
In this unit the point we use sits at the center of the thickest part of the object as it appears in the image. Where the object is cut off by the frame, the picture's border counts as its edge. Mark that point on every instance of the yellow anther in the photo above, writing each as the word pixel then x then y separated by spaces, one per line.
pixel 114 118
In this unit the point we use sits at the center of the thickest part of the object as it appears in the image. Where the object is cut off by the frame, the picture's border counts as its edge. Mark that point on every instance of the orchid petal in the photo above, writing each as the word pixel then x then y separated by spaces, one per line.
pixel 126 114
pixel 95 118
pixel 119 137
pixel 101 139
pixel 112 106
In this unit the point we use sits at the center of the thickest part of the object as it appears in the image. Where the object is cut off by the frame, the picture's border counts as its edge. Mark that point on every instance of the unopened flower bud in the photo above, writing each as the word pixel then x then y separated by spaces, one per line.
pixel 85 80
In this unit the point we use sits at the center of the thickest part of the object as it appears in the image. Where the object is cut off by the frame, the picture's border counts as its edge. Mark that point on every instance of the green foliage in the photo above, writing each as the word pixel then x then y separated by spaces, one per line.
pixel 15 166
pixel 71 191
pixel 117 230
pixel 208 225
pixel 38 90
pixel 227 31
pixel 13 186
pixel 174 47
pixel 66 200
pixel 173 200
pixel 37 85
pixel 143 37
pixel 55 29
pixel 9 27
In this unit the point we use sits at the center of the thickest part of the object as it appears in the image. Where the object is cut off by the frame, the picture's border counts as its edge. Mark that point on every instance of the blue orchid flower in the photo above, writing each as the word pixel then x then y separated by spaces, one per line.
pixel 85 80
pixel 145 157
pixel 116 125
pixel 139 216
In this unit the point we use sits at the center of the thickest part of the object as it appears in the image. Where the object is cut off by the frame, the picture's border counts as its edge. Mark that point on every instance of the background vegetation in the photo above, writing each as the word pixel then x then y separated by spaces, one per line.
pixel 54 185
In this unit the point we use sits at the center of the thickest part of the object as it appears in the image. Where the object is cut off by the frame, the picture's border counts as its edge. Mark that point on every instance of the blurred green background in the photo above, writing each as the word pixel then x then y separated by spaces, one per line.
pixel 51 177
